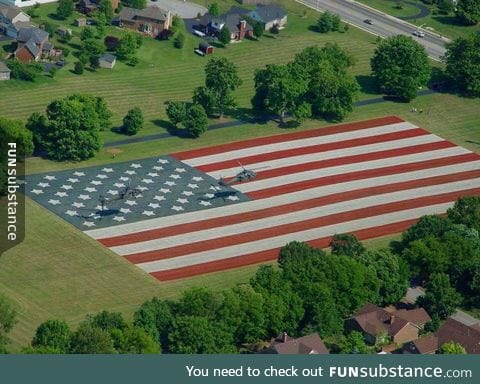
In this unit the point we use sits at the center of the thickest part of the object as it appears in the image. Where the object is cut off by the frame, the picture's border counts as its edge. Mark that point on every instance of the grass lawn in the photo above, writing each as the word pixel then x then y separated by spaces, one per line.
pixel 446 25
pixel 59 272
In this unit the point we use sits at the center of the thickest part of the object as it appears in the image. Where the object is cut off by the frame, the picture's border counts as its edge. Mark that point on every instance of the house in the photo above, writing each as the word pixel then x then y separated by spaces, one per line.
pixel 32 44
pixel 12 19
pixel 151 21
pixel 4 72
pixel 269 15
pixel 401 326
pixel 88 6
pixel 25 3
pixel 235 22
pixel 107 60
pixel 427 345
pixel 81 22
pixel 306 345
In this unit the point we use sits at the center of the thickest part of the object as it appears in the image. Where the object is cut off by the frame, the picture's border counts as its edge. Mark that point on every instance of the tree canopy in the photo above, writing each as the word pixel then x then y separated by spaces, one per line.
pixel 400 66
pixel 468 11
pixel 452 348
pixel 64 9
pixel 440 299
pixel 196 120
pixel 7 321
pixel 133 121
pixel 54 334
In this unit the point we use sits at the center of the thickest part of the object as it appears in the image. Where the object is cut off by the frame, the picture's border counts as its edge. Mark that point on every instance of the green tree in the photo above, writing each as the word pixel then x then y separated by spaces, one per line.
pixel 196 120
pixel 176 112
pixel 426 256
pixel 64 9
pixel 138 4
pixel 463 64
pixel 324 22
pixel 87 33
pixel 468 11
pixel 105 7
pixel 346 244
pixel 179 41
pixel 440 299
pixel 452 348
pixel 207 98
pixel 41 350
pixel 127 46
pixel 89 339
pixel 27 72
pixel 466 210
pixel 94 62
pixel 133 340
pixel 108 320
pixel 400 66
pixel 133 121
pixel 52 72
pixel 427 226
pixel 335 22
pixel 7 321
pixel 214 10
pixel 445 6
pixel 54 334
pixel 224 35
pixel 258 29
pixel 93 47
pixel 354 344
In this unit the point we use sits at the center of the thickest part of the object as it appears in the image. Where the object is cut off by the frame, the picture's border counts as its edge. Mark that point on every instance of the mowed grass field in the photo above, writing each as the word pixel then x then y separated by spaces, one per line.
pixel 60 273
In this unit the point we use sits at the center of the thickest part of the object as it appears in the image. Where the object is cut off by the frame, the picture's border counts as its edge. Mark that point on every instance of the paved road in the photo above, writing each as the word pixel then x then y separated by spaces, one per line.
pixel 383 25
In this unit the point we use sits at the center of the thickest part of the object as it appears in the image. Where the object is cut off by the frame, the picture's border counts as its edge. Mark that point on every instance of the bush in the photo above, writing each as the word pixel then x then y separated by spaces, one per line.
pixel 275 30
pixel 79 67
pixel 27 72
pixel 328 22
pixel 179 41
pixel 132 122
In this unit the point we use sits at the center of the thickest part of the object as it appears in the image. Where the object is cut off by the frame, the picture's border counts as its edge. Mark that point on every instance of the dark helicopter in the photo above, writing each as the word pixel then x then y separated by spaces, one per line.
pixel 243 175
pixel 123 194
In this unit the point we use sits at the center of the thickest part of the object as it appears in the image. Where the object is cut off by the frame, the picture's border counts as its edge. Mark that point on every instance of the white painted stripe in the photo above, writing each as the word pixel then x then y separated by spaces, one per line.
pixel 293 217
pixel 327 155
pixel 300 143
pixel 250 206
pixel 258 185
pixel 279 241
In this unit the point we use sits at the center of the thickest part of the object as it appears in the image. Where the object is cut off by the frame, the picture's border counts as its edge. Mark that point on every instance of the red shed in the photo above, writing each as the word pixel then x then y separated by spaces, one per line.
pixel 206 48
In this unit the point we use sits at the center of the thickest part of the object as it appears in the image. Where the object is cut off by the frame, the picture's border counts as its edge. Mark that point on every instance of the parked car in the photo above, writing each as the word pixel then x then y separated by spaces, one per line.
pixel 368 21
pixel 419 33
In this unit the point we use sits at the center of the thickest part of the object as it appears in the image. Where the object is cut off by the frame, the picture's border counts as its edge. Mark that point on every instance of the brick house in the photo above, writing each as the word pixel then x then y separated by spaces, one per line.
pixel 375 322
pixel 88 6
pixel 234 21
pixel 306 345
pixel 151 21
pixel 32 44
pixel 12 19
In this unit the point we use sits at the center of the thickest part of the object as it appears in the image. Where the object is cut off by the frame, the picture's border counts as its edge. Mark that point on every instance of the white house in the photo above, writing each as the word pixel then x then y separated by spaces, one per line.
pixel 25 3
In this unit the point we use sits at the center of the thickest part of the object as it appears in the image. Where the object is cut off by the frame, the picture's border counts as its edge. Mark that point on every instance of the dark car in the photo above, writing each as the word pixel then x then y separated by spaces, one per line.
pixel 368 21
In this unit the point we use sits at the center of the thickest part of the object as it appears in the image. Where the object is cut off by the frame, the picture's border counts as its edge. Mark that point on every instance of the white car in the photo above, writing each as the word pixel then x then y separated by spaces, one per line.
pixel 419 33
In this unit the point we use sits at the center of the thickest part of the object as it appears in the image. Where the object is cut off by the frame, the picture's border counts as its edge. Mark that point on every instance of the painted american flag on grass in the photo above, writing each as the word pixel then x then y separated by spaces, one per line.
pixel 370 178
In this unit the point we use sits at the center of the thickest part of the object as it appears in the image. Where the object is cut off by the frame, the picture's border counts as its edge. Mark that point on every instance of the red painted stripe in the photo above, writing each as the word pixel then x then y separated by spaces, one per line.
pixel 285 208
pixel 334 179
pixel 291 228
pixel 314 165
pixel 272 254
pixel 287 137
pixel 313 149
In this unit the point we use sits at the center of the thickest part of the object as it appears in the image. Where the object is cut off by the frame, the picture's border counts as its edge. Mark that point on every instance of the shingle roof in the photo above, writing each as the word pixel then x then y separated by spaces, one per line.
pixel 231 20
pixel 465 335
pixel 417 316
pixel 427 344
pixel 152 12
pixel 30 45
pixel 9 11
pixel 306 345
pixel 36 35
pixel 108 57
pixel 270 12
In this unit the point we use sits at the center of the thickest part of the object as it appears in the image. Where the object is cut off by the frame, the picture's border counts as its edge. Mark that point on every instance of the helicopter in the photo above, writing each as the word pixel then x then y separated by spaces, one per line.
pixel 123 194
pixel 243 175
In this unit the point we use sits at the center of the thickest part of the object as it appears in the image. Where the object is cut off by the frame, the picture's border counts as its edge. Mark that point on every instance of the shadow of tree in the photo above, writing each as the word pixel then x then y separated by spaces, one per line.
pixel 367 84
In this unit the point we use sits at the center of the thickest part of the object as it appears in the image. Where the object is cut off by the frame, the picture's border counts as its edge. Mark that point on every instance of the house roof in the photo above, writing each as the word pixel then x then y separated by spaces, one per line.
pixel 467 336
pixel 427 344
pixel 10 12
pixel 3 67
pixel 230 20
pixel 32 48
pixel 306 345
pixel 21 24
pixel 34 34
pixel 108 57
pixel 152 12
pixel 417 316
pixel 270 12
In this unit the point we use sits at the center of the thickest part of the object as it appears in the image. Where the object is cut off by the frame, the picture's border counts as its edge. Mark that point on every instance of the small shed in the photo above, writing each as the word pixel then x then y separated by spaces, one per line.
pixel 206 48
pixel 63 31
pixel 4 71
pixel 107 60
pixel 81 22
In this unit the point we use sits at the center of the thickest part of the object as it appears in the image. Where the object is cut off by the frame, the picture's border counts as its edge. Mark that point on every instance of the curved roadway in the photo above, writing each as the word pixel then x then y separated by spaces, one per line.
pixel 382 24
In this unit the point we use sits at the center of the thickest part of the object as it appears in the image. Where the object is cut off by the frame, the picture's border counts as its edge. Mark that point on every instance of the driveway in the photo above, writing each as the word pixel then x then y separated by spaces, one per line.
pixel 183 9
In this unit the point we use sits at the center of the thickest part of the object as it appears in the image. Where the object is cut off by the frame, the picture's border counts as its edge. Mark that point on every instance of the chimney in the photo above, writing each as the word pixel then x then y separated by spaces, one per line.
pixel 284 337
pixel 243 25
pixel 392 319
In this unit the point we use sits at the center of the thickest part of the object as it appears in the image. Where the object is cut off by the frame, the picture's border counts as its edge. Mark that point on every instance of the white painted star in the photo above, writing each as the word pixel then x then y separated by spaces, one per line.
pixel 162 161
pixel 89 223
pixel 66 187
pixel 212 187
pixel 77 173
pixel 135 165
pixel 197 178
pixel 119 218
pixel 169 183
pixel 84 197
pixel 130 202
pixel 159 198
pixel 175 176
pixel 78 205
pixel 233 198
pixel 209 195
pixel 108 170
pixel 205 203
pixel 152 174
pixel 54 202
pixel 123 178
pixel 43 185
pixel 73 180
pixel 157 167
pixel 164 190
pixel 125 210
pixel 102 176
pixel 61 194
pixel 98 207
pixel 180 170
pixel 142 188
pixel 187 193
pixel 130 172
pixel 147 181
pixel 112 192
pixel 50 178
pixel 177 208
pixel 90 189
pixel 95 182
pixel 148 213
pixel 71 213
pixel 36 191
pixel 119 185
pixel 182 201
pixel 193 186
pixel 154 205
